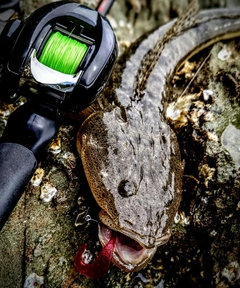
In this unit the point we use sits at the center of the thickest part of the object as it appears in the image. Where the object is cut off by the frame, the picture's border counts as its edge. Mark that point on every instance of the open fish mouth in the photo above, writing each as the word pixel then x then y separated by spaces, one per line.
pixel 128 254
pixel 118 248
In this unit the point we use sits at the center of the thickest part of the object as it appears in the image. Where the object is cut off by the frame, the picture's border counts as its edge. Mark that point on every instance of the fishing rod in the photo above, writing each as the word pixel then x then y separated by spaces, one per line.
pixel 59 58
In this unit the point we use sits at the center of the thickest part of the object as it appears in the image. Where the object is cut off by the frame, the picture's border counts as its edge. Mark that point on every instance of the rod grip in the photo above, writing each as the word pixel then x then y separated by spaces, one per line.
pixel 17 165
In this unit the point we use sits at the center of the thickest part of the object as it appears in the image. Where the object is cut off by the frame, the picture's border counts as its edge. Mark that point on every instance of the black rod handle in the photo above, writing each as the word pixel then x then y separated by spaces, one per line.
pixel 17 165
pixel 28 132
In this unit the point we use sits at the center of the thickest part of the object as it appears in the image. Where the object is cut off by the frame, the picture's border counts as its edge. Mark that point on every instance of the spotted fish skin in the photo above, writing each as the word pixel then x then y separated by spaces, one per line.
pixel 130 154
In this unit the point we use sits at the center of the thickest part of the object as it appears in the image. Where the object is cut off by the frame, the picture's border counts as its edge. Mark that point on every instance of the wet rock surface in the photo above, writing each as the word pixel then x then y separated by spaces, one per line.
pixel 43 234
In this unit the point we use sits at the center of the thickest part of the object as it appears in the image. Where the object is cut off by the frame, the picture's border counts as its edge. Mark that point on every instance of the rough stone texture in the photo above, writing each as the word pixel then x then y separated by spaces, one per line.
pixel 38 243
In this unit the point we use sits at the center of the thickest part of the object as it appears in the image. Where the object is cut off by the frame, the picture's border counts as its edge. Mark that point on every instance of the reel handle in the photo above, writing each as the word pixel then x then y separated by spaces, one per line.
pixel 25 138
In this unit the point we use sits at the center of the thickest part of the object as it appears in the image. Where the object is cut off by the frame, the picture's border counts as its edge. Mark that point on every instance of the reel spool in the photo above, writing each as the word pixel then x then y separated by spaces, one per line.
pixel 62 53
pixel 61 56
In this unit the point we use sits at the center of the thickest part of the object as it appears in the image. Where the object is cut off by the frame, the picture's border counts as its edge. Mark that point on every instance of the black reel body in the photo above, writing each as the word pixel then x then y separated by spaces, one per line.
pixel 9 9
pixel 22 42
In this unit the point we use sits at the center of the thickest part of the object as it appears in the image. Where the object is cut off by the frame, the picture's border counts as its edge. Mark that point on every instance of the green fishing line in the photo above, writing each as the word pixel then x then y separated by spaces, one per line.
pixel 62 53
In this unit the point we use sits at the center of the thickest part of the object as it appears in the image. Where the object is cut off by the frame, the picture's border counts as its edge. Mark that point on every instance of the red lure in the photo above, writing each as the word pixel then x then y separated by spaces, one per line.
pixel 100 266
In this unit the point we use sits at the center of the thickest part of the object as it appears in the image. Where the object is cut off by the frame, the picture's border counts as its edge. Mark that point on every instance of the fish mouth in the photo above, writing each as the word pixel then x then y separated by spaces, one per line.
pixel 128 254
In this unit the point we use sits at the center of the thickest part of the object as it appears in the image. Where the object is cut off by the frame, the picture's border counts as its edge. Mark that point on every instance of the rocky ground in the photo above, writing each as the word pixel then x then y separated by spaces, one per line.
pixel 38 243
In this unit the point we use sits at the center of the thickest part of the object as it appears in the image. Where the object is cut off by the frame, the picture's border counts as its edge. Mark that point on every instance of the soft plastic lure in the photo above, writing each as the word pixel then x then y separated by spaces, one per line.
pixel 100 266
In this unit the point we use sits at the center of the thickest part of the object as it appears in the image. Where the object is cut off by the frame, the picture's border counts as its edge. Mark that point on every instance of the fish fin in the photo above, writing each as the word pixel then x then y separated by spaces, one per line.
pixel 150 59
pixel 187 19
pixel 84 114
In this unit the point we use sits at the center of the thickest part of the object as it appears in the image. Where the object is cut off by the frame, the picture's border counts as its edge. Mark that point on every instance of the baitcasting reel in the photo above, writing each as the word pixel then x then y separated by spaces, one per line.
pixel 91 49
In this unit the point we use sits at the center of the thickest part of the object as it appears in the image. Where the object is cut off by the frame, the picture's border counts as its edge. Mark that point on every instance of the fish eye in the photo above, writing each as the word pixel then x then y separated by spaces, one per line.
pixel 127 188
